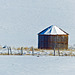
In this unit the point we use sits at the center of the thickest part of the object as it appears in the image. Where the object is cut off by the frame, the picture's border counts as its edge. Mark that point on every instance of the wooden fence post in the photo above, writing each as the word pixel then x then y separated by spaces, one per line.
pixel 8 50
pixel 54 45
pixel 21 50
pixel 32 51
pixel 54 51
pixel 58 52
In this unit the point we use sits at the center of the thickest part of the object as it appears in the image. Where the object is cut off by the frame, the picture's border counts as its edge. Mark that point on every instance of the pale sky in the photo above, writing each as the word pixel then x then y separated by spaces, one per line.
pixel 21 20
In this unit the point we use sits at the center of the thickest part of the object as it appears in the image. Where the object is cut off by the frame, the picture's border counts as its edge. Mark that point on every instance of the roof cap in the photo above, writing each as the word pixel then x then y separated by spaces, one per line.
pixel 53 30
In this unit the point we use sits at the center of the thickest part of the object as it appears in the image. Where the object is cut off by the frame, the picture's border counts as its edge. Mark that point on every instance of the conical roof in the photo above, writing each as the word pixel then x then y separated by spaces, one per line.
pixel 53 30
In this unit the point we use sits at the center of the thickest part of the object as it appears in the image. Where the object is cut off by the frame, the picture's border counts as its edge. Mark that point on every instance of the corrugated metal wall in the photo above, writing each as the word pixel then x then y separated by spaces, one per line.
pixel 51 41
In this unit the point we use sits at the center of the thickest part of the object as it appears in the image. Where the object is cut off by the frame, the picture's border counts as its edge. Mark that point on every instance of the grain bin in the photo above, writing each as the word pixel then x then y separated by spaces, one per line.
pixel 53 37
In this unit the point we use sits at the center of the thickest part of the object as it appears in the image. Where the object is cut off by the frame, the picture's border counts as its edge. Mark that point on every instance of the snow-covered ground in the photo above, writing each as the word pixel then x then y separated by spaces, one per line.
pixel 33 65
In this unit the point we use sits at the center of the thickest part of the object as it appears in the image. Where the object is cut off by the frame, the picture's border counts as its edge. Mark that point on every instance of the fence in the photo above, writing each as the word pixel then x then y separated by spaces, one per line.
pixel 36 52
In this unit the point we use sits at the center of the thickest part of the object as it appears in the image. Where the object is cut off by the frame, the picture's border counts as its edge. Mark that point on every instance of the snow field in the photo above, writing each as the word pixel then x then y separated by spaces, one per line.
pixel 32 65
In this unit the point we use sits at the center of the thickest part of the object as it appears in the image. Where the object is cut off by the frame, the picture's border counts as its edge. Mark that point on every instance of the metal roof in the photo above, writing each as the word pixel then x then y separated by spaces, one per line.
pixel 53 30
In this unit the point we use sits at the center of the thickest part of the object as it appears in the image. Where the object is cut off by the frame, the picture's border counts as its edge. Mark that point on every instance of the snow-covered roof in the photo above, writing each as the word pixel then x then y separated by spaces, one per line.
pixel 53 30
